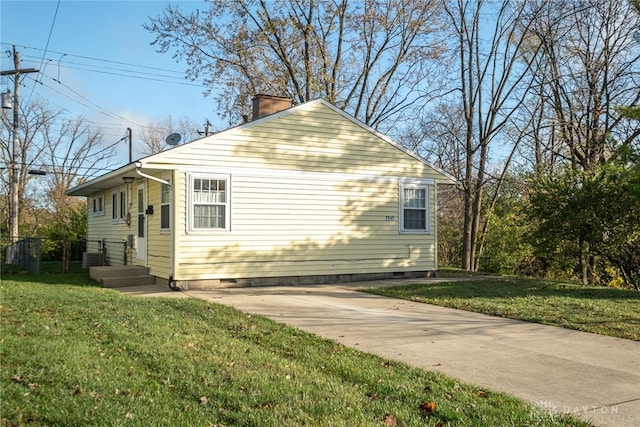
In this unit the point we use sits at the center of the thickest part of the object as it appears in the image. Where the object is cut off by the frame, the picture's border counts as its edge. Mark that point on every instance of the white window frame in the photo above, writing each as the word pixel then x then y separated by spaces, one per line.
pixel 191 177
pixel 165 204
pixel 97 204
pixel 114 206
pixel 427 190
pixel 122 211
pixel 118 205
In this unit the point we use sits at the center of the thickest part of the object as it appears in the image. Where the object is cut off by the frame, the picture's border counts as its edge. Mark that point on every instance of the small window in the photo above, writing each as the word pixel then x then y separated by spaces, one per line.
pixel 165 197
pixel 414 206
pixel 118 206
pixel 114 206
pixel 209 203
pixel 97 202
pixel 123 205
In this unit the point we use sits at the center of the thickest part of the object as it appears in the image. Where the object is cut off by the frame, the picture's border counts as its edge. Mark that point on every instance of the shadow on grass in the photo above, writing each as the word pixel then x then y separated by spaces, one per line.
pixel 50 274
pixel 600 310
pixel 517 288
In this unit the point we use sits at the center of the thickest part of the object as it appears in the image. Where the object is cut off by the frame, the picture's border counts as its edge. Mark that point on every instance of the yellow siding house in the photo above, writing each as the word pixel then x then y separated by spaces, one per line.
pixel 305 194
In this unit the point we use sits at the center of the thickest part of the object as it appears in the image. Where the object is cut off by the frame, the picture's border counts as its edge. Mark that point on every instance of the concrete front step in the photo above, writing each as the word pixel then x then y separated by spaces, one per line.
pixel 118 282
pixel 121 275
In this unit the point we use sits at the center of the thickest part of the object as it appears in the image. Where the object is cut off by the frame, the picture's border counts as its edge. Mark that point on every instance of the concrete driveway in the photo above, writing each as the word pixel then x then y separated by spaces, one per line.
pixel 594 377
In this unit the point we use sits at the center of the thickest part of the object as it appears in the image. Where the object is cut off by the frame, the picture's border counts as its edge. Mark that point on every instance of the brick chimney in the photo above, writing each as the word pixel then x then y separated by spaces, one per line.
pixel 263 105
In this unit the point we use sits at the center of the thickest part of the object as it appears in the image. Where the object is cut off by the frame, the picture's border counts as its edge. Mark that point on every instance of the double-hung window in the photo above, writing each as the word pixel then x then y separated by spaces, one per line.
pixel 414 208
pixel 209 202
pixel 165 197
pixel 98 204
pixel 118 205
pixel 123 205
pixel 114 206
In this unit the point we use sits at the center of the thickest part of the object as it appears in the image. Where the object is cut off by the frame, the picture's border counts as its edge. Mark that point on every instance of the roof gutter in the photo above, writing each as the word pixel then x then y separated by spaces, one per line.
pixel 153 178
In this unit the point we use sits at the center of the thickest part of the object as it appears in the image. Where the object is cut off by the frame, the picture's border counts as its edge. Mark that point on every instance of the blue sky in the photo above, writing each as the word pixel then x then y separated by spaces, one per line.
pixel 96 52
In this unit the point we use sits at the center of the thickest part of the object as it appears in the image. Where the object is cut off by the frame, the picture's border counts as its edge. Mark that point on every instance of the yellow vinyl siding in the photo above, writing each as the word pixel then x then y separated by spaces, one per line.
pixel 311 193
pixel 279 228
pixel 102 227
pixel 317 140
pixel 158 242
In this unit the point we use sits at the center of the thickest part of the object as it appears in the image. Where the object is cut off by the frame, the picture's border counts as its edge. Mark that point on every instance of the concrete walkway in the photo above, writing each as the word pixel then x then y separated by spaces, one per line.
pixel 594 377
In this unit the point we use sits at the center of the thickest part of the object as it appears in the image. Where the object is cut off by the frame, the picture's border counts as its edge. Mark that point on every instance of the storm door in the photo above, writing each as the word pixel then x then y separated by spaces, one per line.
pixel 142 225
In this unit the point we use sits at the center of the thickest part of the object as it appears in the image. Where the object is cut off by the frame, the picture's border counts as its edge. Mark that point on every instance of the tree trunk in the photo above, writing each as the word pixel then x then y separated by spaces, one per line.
pixel 467 243
pixel 584 265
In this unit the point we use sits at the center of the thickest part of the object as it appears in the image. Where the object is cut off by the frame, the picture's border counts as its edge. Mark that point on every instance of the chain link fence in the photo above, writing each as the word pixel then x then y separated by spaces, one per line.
pixel 25 253
pixel 31 253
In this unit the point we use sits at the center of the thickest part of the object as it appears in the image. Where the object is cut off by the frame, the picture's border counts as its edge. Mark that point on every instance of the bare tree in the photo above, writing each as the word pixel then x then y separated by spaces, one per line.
pixel 371 58
pixel 74 152
pixel 589 65
pixel 493 80
pixel 154 137
pixel 54 154
pixel 34 117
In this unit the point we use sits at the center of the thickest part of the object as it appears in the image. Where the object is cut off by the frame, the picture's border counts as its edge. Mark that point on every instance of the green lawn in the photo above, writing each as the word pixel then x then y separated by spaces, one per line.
pixel 605 311
pixel 73 354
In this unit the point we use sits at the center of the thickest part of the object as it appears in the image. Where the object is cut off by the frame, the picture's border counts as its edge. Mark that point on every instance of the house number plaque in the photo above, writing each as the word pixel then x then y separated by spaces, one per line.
pixel 389 218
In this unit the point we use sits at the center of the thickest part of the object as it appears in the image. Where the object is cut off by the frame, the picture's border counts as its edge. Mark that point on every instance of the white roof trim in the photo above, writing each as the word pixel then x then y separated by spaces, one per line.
pixel 156 161
pixel 114 177
pixel 298 174
pixel 157 158
pixel 382 136
pixel 302 107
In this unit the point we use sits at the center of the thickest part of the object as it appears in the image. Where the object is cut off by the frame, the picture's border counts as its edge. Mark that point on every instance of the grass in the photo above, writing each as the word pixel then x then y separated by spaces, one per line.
pixel 604 311
pixel 75 354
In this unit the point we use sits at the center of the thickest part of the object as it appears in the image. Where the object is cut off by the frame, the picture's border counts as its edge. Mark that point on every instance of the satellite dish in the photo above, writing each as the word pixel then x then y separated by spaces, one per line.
pixel 173 139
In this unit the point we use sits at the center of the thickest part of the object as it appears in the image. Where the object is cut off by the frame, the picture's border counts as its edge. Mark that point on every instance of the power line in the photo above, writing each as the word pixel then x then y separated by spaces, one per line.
pixel 130 73
pixel 91 103
pixel 106 128
pixel 144 67
pixel 53 22
pixel 164 78
pixel 133 71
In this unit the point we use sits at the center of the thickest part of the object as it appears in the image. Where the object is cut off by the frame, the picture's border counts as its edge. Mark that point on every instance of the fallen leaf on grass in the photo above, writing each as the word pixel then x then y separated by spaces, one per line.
pixel 481 393
pixel 390 420
pixel 18 379
pixel 204 400
pixel 428 407
pixel 264 405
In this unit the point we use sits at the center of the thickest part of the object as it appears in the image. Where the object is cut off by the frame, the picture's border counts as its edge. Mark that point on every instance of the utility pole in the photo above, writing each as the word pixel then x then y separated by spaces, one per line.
pixel 13 221
pixel 130 145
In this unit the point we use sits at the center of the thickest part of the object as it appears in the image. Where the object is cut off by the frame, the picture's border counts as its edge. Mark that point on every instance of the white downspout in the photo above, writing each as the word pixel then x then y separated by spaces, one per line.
pixel 172 218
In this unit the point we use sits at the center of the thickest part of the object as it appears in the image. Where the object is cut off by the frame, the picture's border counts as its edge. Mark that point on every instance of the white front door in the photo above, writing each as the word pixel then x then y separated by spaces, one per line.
pixel 142 225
